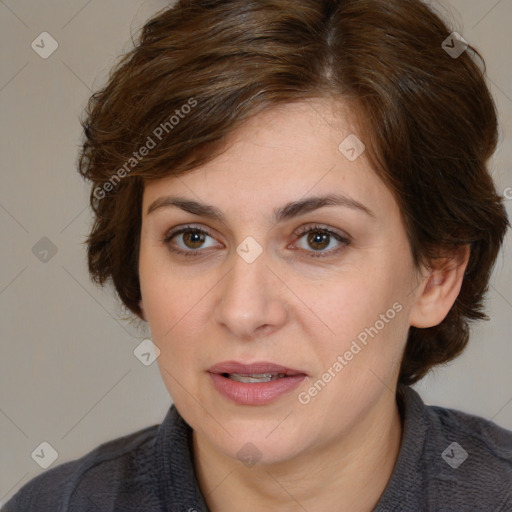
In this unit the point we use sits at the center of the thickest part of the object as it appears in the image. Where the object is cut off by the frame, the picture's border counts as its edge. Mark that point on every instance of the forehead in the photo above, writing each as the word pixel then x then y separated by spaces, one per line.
pixel 283 154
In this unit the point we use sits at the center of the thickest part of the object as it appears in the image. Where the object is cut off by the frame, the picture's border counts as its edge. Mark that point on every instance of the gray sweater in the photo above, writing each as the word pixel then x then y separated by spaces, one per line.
pixel 448 461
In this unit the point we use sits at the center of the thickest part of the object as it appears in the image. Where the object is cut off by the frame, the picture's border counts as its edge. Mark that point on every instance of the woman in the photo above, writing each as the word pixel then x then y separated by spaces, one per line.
pixel 294 196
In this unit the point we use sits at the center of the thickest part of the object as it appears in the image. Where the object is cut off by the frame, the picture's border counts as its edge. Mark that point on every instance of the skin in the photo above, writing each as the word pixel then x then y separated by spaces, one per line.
pixel 338 451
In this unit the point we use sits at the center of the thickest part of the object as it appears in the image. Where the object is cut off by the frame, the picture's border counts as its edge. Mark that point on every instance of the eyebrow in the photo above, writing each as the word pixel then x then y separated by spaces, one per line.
pixel 288 211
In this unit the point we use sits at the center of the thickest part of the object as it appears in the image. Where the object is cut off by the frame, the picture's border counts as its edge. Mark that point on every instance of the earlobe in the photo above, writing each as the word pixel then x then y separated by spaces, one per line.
pixel 440 290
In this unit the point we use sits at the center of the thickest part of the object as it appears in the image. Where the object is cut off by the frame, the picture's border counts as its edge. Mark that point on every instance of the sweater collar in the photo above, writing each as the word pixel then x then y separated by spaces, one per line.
pixel 178 486
pixel 407 472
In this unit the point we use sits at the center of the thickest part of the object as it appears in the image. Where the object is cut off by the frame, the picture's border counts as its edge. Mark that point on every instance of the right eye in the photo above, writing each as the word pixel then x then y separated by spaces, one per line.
pixel 193 240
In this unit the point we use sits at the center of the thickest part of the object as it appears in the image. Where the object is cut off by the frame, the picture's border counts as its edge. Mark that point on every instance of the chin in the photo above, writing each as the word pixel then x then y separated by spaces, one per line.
pixel 250 450
pixel 269 441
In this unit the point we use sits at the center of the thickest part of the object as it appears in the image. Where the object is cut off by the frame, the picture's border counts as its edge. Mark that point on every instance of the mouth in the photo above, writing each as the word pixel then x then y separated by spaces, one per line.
pixel 254 377
pixel 256 383
pixel 253 372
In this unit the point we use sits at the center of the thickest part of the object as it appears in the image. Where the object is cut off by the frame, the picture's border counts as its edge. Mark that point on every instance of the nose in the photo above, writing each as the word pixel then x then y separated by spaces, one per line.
pixel 252 299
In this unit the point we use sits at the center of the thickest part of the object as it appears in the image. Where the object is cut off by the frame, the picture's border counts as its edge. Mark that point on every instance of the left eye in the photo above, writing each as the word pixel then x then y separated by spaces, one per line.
pixel 320 238
pixel 194 239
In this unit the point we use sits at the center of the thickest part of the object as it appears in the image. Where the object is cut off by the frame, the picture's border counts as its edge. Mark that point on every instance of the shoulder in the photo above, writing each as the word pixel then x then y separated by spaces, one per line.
pixel 448 460
pixel 93 481
pixel 471 457
pixel 483 438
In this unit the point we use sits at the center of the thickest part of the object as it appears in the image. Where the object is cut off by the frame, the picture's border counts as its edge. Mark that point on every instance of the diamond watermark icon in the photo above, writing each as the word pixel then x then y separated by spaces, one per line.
pixel 454 45
pixel 147 352
pixel 455 455
pixel 249 249
pixel 249 455
pixel 45 455
pixel 44 45
pixel 44 250
pixel 352 148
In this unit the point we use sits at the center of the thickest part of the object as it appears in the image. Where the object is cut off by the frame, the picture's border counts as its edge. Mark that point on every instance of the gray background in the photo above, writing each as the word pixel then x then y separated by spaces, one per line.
pixel 68 375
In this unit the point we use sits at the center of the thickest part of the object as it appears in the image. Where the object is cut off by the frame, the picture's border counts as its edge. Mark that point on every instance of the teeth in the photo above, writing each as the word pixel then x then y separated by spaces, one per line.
pixel 255 377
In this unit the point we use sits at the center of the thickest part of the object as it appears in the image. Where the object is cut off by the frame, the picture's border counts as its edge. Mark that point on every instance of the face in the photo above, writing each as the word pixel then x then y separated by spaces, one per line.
pixel 318 298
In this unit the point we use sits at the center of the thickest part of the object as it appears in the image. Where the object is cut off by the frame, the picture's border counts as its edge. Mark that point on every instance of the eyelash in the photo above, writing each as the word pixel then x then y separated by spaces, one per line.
pixel 302 231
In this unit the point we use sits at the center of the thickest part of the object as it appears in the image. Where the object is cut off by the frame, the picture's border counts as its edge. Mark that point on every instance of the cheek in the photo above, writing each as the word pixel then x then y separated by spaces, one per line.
pixel 362 358
pixel 367 315
pixel 161 289
pixel 170 317
pixel 176 311
pixel 353 303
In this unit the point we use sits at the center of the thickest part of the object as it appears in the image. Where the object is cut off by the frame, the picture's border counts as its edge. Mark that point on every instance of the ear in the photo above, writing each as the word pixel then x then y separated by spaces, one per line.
pixel 440 289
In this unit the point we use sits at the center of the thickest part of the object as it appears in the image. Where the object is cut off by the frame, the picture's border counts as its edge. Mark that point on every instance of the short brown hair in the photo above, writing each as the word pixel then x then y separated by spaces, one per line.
pixel 427 118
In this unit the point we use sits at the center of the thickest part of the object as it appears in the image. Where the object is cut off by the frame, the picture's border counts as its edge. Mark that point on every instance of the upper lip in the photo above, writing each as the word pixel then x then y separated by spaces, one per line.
pixel 252 368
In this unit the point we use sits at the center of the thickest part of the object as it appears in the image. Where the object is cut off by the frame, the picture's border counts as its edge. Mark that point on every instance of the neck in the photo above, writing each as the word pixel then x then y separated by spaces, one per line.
pixel 348 474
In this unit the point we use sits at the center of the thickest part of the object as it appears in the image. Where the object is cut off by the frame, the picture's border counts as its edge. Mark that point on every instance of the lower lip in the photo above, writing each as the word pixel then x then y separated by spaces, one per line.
pixel 259 393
